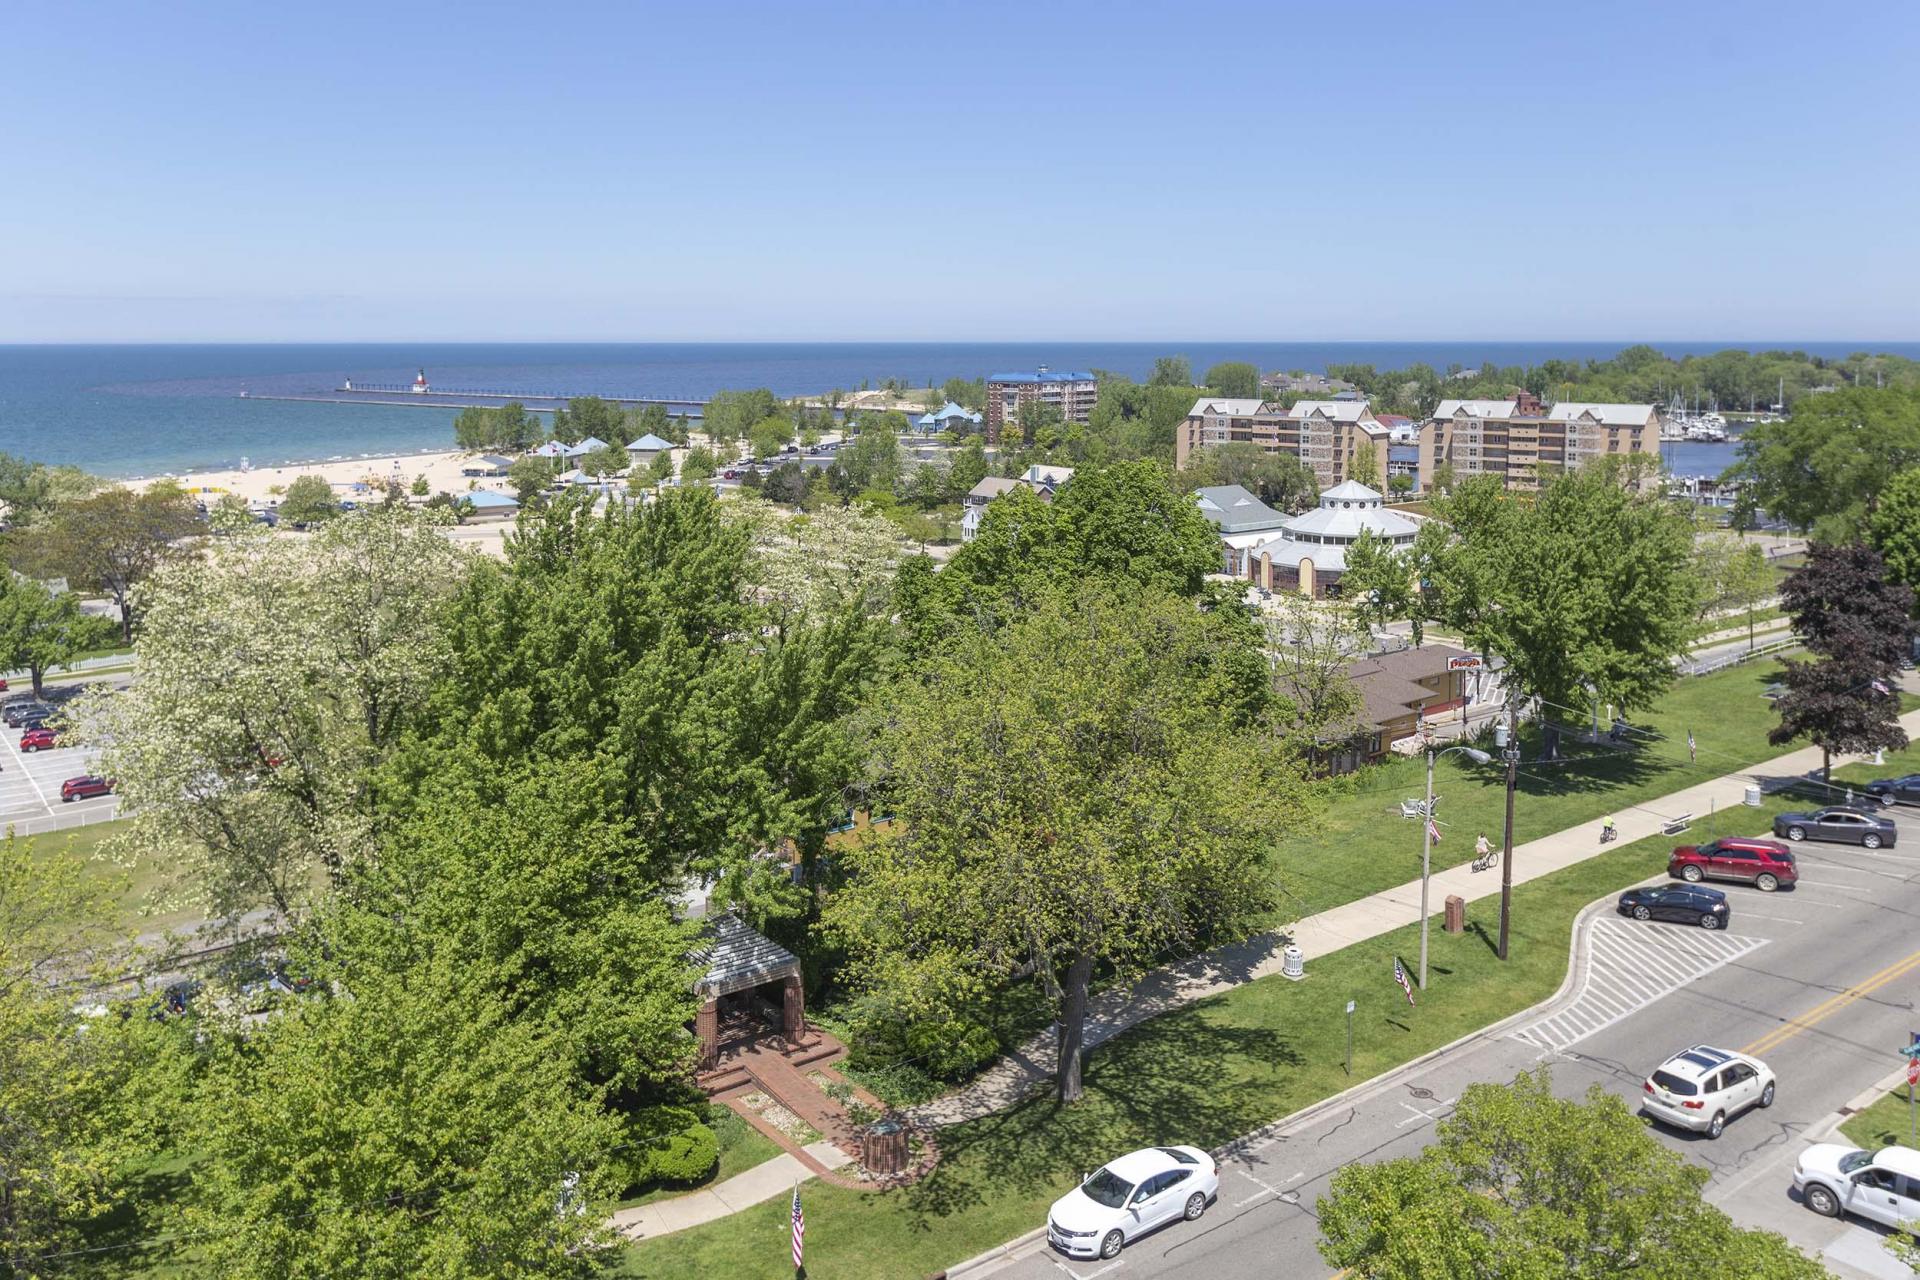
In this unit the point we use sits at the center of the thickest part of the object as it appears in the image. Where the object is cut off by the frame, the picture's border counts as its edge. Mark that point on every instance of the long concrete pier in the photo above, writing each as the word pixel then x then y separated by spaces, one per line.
pixel 478 400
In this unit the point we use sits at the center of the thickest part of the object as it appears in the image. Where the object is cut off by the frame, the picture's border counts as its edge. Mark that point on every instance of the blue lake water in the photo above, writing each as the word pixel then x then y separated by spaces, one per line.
pixel 142 410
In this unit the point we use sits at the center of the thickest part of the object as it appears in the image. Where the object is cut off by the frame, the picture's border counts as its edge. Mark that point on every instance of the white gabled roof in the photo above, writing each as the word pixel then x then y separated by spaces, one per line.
pixel 1612 415
pixel 1230 407
pixel 1334 410
pixel 1476 408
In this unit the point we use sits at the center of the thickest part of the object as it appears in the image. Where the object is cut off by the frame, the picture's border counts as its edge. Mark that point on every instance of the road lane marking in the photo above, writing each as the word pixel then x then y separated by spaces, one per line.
pixel 1832 1005
pixel 1755 915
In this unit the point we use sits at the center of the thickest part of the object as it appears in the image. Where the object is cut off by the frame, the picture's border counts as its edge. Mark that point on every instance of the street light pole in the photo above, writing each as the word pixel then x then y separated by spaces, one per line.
pixel 1506 851
pixel 1426 863
pixel 1426 842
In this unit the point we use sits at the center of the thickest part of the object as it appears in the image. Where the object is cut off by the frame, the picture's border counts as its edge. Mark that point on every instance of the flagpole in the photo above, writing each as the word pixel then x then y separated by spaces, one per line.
pixel 1426 864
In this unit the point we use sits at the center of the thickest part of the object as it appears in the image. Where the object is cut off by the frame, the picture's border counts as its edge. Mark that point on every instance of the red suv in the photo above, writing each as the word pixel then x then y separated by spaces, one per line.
pixel 38 740
pixel 1764 864
pixel 85 788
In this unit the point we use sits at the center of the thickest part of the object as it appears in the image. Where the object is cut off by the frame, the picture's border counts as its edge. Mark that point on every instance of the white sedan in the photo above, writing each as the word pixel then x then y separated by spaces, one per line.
pixel 1128 1197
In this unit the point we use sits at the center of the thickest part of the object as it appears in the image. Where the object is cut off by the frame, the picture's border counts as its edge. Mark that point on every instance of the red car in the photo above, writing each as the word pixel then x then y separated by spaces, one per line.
pixel 1764 864
pixel 85 788
pixel 38 740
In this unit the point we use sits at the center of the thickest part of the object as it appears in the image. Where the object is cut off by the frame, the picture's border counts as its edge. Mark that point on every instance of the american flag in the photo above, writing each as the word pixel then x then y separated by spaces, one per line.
pixel 800 1225
pixel 1400 976
pixel 1433 831
pixel 1880 686
pixel 1693 752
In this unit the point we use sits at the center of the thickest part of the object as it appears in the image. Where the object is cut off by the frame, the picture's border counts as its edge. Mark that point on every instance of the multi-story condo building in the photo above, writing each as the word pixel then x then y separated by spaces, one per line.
pixel 1328 435
pixel 1072 393
pixel 1521 440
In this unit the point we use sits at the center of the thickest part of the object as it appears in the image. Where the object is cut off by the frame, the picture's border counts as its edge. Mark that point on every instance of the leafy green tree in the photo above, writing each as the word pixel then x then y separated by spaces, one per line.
pixel 1842 590
pixel 661 468
pixel 1366 466
pixel 969 469
pixel 257 742
pixel 230 515
pixel 40 630
pixel 1586 590
pixel 1234 378
pixel 698 465
pixel 509 426
pixel 652 419
pixel 586 416
pixel 1522 1184
pixel 530 476
pixel 419 488
pixel 1858 623
pixel 309 500
pixel 874 459
pixel 1280 480
pixel 79 1098
pixel 470 1148
pixel 968 393
pixel 606 461
pixel 30 490
pixel 1171 371
pixel 1380 585
pixel 1070 793
pixel 1825 467
pixel 1894 529
pixel 769 436
pixel 729 415
pixel 1039 422
pixel 112 541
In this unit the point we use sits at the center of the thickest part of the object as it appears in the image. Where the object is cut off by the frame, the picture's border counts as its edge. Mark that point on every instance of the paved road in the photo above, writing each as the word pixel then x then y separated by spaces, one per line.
pixel 1811 980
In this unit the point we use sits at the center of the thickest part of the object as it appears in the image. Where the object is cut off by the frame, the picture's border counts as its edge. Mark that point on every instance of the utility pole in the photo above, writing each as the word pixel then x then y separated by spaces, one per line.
pixel 1426 862
pixel 1512 754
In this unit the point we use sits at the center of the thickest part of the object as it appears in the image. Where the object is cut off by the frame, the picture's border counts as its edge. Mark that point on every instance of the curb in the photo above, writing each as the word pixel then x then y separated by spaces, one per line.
pixel 1830 1126
pixel 1011 1251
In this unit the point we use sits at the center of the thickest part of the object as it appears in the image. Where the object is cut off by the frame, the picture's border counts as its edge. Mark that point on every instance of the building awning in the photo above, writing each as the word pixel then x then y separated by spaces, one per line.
pixel 738 957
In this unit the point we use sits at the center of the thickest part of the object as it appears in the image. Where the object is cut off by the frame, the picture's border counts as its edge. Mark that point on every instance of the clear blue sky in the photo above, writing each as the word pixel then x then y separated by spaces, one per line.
pixel 959 171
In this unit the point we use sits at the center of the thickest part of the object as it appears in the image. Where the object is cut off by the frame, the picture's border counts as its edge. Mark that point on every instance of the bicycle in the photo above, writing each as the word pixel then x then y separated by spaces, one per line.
pixel 1487 861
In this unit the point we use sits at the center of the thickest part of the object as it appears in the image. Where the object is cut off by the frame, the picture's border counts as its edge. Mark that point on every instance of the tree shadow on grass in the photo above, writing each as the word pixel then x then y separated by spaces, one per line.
pixel 128 1238
pixel 1142 1088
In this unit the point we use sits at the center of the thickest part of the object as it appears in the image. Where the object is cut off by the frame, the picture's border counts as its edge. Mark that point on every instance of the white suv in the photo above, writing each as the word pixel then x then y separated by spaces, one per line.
pixel 1884 1187
pixel 1699 1088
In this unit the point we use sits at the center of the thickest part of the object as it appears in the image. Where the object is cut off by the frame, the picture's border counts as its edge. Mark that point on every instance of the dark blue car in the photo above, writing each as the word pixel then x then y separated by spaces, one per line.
pixel 1681 903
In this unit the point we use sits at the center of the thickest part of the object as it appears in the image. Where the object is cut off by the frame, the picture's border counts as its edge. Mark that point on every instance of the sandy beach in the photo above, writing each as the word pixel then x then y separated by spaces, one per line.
pixel 257 485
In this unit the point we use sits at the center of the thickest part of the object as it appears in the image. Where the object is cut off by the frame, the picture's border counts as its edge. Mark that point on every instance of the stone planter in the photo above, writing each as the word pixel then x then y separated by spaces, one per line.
pixel 883 1147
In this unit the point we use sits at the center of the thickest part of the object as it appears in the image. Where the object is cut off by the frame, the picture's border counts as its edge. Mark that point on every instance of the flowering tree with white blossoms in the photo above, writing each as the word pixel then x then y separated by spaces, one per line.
pixel 275 672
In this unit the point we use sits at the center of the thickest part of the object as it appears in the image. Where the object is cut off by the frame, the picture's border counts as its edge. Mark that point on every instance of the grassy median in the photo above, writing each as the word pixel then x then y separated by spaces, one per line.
pixel 1203 1074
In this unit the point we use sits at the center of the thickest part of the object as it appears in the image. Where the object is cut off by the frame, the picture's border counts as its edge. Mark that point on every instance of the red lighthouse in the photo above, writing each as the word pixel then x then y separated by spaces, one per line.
pixel 420 383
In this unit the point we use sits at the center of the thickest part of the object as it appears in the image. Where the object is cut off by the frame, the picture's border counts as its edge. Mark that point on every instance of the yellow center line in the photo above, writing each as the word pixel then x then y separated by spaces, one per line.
pixel 1833 1004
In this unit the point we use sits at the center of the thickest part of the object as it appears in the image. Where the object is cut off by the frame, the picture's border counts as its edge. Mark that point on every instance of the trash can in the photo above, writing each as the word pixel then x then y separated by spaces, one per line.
pixel 883 1147
pixel 1753 797
pixel 1293 963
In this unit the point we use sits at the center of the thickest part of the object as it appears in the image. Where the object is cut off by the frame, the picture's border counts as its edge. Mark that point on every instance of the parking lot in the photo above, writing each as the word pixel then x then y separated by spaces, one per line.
pixel 30 788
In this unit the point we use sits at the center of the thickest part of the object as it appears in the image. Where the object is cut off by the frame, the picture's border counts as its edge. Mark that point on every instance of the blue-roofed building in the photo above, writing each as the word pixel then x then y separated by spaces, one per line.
pixel 489 504
pixel 643 451
pixel 1072 392
pixel 949 416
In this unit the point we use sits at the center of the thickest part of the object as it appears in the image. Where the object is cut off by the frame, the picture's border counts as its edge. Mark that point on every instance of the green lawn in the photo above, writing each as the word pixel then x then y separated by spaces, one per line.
pixel 1360 844
pixel 1888 1122
pixel 1761 621
pixel 134 893
pixel 1269 1048
pixel 741 1148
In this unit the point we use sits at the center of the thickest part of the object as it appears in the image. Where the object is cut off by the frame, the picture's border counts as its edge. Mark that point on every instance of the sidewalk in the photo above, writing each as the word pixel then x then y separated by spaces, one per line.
pixel 775 1177
pixel 1114 1011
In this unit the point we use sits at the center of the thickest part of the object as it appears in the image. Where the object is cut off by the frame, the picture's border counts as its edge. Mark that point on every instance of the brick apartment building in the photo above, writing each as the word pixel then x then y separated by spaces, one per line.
pixel 1327 435
pixel 1070 392
pixel 1521 439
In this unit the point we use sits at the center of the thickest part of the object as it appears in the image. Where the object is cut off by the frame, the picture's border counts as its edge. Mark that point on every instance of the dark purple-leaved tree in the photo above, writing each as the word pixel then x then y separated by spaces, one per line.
pixel 1857 620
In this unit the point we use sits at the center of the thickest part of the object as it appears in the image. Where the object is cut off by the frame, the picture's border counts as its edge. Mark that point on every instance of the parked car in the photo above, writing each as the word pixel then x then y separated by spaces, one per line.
pixel 85 788
pixel 1838 824
pixel 38 740
pixel 1126 1198
pixel 1881 1186
pixel 1765 864
pixel 1688 904
pixel 1888 791
pixel 14 712
pixel 1701 1088
pixel 38 720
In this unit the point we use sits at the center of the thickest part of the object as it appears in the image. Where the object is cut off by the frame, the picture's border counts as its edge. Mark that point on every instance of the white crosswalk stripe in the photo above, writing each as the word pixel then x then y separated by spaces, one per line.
pixel 1630 965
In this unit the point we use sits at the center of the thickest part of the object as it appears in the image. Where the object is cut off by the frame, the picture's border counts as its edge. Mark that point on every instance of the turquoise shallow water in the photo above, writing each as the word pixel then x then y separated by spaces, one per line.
pixel 141 410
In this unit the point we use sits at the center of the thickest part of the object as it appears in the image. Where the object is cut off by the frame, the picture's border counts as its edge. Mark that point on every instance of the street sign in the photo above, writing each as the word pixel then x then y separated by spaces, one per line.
pixel 1349 1006
pixel 1912 1051
pixel 1913 1071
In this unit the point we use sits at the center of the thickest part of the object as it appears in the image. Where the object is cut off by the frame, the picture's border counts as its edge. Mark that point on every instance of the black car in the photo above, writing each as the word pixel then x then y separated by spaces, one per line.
pixel 13 713
pixel 1838 824
pixel 1892 791
pixel 1685 903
